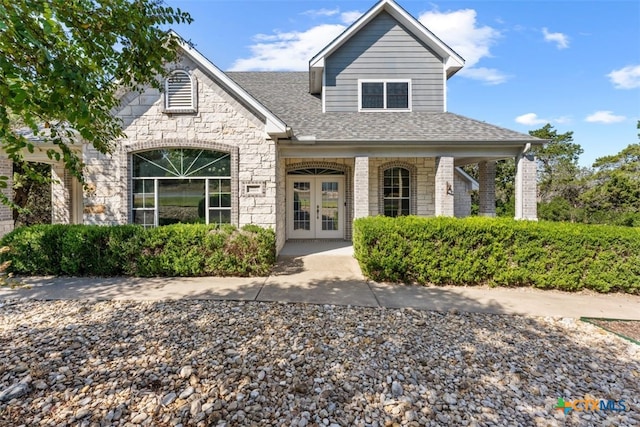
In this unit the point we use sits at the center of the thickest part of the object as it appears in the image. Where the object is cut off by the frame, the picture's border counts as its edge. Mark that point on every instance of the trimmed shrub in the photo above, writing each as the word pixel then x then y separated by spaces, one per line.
pixel 174 250
pixel 499 252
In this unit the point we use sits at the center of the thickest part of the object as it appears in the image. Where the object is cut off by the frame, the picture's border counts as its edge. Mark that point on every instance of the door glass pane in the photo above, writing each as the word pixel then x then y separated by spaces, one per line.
pixel 178 201
pixel 302 206
pixel 329 208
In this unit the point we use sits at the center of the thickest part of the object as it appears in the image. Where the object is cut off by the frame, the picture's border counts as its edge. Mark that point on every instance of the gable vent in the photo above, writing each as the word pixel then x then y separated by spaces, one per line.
pixel 179 91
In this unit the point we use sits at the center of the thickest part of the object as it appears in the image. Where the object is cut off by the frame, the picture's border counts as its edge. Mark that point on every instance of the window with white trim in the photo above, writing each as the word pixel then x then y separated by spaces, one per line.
pixel 180 95
pixel 378 95
pixel 396 192
pixel 181 186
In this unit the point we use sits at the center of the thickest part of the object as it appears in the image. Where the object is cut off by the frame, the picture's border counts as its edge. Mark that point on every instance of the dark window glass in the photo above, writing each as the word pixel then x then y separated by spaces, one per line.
pixel 397 95
pixel 396 192
pixel 373 95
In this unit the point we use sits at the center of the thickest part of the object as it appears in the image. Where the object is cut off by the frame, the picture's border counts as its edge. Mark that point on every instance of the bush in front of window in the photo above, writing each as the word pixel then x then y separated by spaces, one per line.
pixel 131 250
pixel 499 252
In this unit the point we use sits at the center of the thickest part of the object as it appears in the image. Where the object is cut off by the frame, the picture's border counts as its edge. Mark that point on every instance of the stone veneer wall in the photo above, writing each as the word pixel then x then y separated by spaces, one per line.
pixel 424 183
pixel 220 123
pixel 526 187
pixel 6 214
pixel 60 195
pixel 461 196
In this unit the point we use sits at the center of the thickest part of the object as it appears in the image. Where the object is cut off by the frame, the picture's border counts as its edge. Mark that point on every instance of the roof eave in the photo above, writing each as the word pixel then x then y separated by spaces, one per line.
pixel 274 126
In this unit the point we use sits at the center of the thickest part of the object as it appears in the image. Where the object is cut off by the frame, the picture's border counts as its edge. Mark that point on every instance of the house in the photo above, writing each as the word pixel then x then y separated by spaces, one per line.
pixel 365 131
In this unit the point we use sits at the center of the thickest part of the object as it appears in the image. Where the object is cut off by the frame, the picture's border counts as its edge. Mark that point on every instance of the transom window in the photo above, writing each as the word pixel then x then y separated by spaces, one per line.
pixel 396 190
pixel 179 92
pixel 181 186
pixel 385 95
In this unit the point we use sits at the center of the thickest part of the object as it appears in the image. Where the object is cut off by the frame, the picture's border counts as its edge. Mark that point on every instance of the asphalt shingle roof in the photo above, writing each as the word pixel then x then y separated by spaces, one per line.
pixel 286 94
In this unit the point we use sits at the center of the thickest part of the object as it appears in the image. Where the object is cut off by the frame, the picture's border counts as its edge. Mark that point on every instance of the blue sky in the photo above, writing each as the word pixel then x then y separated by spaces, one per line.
pixel 574 64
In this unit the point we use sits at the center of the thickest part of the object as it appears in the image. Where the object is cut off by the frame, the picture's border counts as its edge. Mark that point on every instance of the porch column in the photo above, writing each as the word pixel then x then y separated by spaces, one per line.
pixel 6 213
pixel 444 186
pixel 60 195
pixel 487 190
pixel 361 187
pixel 526 197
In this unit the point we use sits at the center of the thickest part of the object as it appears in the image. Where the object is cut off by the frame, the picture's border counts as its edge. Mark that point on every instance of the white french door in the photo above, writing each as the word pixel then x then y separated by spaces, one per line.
pixel 315 207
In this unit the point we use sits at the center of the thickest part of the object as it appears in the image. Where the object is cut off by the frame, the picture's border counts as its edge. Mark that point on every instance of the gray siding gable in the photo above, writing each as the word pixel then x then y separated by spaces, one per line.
pixel 384 49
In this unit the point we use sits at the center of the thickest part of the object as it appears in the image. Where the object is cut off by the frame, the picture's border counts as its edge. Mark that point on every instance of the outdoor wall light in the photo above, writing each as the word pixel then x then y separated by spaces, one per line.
pixel 449 189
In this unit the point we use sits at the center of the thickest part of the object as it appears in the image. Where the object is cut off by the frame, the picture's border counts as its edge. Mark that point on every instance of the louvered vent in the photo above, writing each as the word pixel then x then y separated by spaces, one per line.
pixel 179 91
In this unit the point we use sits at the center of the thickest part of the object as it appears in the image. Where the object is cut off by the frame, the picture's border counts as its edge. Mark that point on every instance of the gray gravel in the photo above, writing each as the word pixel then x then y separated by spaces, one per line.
pixel 232 363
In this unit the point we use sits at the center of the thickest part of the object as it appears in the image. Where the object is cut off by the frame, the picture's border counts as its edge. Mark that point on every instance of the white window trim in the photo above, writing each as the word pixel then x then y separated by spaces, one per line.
pixel 193 108
pixel 384 94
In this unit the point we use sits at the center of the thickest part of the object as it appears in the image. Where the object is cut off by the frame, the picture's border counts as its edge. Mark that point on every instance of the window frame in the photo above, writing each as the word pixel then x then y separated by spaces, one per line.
pixel 193 108
pixel 209 183
pixel 400 198
pixel 384 95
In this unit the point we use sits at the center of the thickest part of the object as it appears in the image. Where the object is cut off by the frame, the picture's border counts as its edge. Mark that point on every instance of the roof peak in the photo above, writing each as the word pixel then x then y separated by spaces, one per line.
pixel 453 61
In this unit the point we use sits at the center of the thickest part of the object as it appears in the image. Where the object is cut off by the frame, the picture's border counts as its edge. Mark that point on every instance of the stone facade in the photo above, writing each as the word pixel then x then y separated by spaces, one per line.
pixel 361 187
pixel 61 197
pixel 487 192
pixel 220 123
pixel 526 187
pixel 445 187
pixel 461 196
pixel 6 214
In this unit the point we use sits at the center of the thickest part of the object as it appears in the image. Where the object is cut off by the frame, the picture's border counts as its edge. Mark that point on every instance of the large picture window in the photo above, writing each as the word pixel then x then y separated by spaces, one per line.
pixel 396 192
pixel 181 186
pixel 385 95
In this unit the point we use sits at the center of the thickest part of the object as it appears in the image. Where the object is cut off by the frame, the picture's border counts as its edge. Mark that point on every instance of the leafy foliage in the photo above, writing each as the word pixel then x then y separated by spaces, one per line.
pixel 499 252
pixel 63 63
pixel 557 164
pixel 174 250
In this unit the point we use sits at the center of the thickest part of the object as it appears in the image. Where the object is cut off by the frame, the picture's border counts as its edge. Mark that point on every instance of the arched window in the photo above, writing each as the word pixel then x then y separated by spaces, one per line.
pixel 396 192
pixel 181 186
pixel 180 94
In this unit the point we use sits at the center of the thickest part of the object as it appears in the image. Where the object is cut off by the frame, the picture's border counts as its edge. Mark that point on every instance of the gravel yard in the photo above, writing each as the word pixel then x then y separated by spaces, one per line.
pixel 232 363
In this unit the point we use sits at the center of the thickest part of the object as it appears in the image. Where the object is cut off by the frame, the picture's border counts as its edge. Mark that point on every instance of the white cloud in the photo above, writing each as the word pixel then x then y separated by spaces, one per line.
pixel 561 40
pixel 291 51
pixel 626 78
pixel 321 12
pixel 350 17
pixel 287 51
pixel 459 30
pixel 531 119
pixel 605 117
pixel 489 76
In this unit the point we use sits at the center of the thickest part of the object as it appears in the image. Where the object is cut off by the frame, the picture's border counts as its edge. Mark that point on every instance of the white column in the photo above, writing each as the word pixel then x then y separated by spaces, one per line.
pixel 60 195
pixel 6 213
pixel 361 187
pixel 444 186
pixel 526 190
pixel 487 190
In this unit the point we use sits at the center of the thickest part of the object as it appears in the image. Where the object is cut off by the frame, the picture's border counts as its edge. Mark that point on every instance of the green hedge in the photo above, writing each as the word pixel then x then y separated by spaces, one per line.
pixel 499 252
pixel 174 250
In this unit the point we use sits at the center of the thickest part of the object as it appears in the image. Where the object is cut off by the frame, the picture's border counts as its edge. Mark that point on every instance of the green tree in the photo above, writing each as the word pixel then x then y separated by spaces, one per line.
pixel 558 169
pixel 63 64
pixel 614 193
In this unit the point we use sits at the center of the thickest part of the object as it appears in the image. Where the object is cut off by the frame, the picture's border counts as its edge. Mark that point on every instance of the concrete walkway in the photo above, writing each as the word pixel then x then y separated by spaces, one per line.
pixel 326 273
